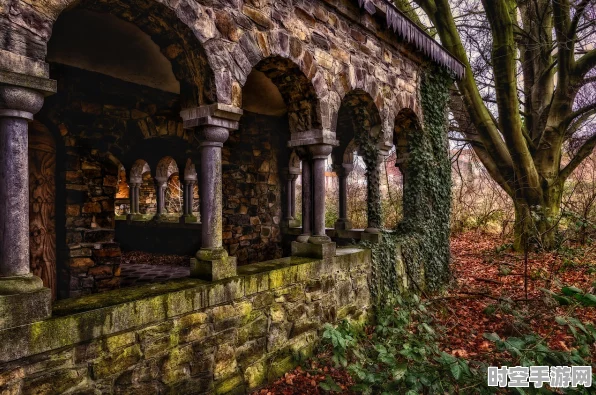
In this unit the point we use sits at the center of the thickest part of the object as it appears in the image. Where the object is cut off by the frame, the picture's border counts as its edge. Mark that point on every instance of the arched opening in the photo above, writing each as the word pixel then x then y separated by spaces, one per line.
pixel 278 100
pixel 124 71
pixel 174 198
pixel 122 201
pixel 407 125
pixel 358 121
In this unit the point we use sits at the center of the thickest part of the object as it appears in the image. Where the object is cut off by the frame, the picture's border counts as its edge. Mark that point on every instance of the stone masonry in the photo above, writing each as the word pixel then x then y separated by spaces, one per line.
pixel 168 79
pixel 188 336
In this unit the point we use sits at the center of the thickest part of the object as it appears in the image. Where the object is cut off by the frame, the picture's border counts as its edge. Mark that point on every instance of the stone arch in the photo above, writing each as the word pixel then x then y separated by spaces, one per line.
pixel 172 26
pixel 297 91
pixel 139 168
pixel 294 162
pixel 406 123
pixel 348 155
pixel 357 115
pixel 166 167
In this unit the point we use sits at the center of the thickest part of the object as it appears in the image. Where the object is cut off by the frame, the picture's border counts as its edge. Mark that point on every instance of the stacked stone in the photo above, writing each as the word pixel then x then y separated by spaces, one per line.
pixel 93 263
pixel 98 127
pixel 252 189
pixel 229 337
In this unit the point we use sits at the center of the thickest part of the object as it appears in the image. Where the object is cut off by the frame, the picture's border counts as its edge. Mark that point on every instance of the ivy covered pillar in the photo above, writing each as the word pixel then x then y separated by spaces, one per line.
pixel 372 232
pixel 214 123
pixel 23 298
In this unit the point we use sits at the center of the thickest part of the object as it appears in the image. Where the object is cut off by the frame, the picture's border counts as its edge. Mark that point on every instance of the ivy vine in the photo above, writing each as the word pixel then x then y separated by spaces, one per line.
pixel 419 247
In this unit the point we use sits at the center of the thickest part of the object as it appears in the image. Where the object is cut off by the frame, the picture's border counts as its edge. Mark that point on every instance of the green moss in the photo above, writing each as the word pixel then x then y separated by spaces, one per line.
pixel 422 237
pixel 228 385
pixel 115 297
pixel 256 375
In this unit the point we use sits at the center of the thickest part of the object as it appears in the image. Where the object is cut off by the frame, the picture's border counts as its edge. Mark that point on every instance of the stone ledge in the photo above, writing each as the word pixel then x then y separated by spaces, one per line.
pixel 101 315
pixel 44 85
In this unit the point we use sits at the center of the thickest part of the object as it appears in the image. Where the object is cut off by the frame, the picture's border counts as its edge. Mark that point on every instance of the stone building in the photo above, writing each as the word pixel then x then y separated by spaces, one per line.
pixel 105 104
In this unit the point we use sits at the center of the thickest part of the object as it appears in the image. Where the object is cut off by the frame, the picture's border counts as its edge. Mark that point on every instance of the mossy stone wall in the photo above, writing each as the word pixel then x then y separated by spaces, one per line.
pixel 187 337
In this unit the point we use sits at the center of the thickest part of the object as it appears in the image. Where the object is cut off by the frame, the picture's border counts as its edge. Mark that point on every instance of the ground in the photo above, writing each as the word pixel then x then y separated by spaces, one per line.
pixel 485 272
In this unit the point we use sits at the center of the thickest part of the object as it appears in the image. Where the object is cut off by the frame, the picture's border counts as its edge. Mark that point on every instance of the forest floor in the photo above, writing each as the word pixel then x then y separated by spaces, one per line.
pixel 485 273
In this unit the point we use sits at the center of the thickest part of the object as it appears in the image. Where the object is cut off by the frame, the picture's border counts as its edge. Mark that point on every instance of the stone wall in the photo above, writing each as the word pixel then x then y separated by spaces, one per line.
pixel 252 188
pixel 187 337
pixel 104 123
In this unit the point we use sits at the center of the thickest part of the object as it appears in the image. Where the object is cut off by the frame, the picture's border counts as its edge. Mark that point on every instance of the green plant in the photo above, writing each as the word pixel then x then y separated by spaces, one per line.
pixel 401 355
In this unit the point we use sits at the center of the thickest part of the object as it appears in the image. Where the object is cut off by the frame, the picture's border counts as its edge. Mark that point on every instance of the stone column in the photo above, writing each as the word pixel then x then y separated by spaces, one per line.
pixel 319 244
pixel 343 223
pixel 23 298
pixel 134 195
pixel 215 121
pixel 306 200
pixel 373 188
pixel 320 153
pixel 293 195
pixel 289 187
pixel 290 220
pixel 160 191
pixel 188 216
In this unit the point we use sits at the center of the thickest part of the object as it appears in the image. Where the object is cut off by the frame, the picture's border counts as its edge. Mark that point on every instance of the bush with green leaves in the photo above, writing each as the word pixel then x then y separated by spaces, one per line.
pixel 400 353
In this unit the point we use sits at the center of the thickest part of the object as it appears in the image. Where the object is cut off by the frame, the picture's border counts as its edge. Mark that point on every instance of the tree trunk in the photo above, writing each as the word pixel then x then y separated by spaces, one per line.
pixel 536 222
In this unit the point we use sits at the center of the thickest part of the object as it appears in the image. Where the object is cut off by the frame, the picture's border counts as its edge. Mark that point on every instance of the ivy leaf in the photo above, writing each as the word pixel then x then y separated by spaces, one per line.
pixel 400 371
pixel 570 291
pixel 456 371
pixel 330 385
pixel 493 337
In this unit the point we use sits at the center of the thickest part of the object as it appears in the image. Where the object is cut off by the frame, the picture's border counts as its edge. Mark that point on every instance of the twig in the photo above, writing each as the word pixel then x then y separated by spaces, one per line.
pixel 488 280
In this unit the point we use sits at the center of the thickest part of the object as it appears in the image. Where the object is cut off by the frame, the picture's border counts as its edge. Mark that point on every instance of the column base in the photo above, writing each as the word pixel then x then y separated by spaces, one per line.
pixel 212 265
pixel 188 219
pixel 343 224
pixel 371 235
pixel 311 250
pixel 23 300
pixel 291 223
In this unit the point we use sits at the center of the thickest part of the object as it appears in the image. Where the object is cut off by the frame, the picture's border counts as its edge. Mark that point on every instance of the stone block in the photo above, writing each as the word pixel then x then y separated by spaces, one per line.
pixel 310 250
pixel 213 265
pixel 22 308
pixel 371 237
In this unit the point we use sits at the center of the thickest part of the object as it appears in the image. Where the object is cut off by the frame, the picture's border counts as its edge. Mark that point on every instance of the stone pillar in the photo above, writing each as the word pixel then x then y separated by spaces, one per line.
pixel 289 187
pixel 319 245
pixel 23 299
pixel 343 223
pixel 134 195
pixel 306 200
pixel 293 196
pixel 373 187
pixel 160 193
pixel 290 220
pixel 188 216
pixel 215 121
pixel 320 153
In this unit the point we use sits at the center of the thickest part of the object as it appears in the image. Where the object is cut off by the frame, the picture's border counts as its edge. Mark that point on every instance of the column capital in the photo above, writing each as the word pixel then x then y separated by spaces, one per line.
pixel 343 170
pixel 214 135
pixel 161 181
pixel 22 95
pixel 320 151
pixel 217 114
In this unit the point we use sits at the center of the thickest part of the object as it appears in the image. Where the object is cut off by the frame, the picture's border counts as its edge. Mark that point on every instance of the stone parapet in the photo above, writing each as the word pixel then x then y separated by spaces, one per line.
pixel 185 336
